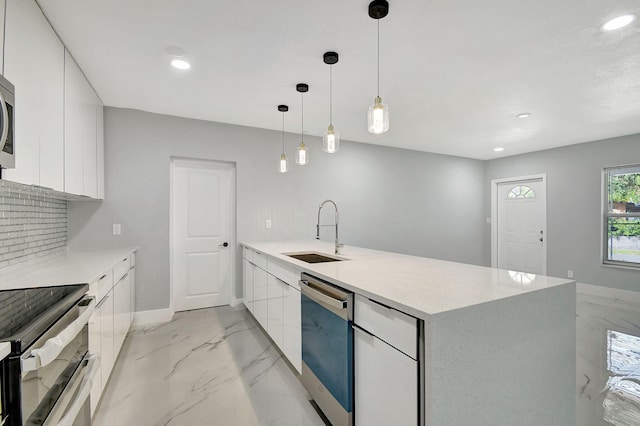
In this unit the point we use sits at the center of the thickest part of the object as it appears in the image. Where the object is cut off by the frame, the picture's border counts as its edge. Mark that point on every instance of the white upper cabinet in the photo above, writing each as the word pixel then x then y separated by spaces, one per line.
pixel 34 63
pixel 81 124
pixel 100 149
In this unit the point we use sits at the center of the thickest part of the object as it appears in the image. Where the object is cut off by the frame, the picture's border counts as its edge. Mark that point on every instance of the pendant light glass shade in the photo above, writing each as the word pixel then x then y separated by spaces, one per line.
pixel 282 163
pixel 302 156
pixel 378 117
pixel 282 166
pixel 331 140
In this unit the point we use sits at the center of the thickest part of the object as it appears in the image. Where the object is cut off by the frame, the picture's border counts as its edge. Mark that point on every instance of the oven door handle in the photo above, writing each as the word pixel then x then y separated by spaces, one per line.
pixel 93 364
pixel 319 296
pixel 54 346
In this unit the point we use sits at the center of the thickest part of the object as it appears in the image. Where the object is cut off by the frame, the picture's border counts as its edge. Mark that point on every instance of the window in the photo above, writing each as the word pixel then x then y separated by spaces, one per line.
pixel 622 216
pixel 521 191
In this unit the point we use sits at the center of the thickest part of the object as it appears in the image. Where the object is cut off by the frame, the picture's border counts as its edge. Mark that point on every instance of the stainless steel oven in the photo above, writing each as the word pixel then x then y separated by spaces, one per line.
pixel 49 372
pixel 327 347
pixel 7 112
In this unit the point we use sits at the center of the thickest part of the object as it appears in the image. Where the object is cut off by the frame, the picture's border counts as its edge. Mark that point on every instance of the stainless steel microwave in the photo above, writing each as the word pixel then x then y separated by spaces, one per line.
pixel 7 124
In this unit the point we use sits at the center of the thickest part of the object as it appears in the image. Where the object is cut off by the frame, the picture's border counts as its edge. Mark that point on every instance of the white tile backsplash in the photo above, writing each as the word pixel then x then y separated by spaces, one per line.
pixel 33 223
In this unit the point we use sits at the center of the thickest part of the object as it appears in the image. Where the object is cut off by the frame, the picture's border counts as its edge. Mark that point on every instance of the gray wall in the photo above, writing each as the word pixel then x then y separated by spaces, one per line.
pixel 390 199
pixel 574 200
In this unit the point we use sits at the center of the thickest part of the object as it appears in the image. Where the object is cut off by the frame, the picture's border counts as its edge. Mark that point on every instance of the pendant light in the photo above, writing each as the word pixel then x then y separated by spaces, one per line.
pixel 331 139
pixel 302 156
pixel 282 165
pixel 378 116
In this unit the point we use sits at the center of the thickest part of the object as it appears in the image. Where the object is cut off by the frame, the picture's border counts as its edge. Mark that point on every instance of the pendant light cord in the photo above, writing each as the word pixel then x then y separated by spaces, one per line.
pixel 302 129
pixel 283 132
pixel 378 57
pixel 331 95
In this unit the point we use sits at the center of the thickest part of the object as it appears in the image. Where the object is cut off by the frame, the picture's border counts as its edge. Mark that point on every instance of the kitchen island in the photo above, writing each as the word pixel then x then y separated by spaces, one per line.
pixel 496 347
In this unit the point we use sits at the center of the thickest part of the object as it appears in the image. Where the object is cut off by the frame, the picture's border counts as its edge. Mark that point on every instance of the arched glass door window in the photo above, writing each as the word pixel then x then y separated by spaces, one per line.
pixel 521 191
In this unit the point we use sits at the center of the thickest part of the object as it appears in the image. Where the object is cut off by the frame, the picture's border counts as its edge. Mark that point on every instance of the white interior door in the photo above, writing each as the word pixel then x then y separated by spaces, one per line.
pixel 202 231
pixel 521 225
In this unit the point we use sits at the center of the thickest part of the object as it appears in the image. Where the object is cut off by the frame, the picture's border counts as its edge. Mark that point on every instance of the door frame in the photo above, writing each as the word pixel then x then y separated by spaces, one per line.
pixel 494 215
pixel 177 161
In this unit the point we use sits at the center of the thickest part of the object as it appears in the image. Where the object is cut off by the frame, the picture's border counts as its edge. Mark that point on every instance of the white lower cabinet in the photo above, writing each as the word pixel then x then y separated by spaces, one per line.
pixel 386 383
pixel 260 302
pixel 95 348
pixel 271 294
pixel 121 312
pixel 275 313
pixel 247 284
pixel 110 322
pixel 292 330
pixel 386 365
pixel 107 358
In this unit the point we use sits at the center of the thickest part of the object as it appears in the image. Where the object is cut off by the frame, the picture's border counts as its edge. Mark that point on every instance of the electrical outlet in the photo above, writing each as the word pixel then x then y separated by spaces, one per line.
pixel 117 229
pixel 569 273
pixel 267 223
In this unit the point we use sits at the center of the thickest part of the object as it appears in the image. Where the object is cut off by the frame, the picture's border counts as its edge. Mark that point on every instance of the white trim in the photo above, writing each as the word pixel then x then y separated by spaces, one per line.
pixel 156 316
pixel 494 215
pixel 210 164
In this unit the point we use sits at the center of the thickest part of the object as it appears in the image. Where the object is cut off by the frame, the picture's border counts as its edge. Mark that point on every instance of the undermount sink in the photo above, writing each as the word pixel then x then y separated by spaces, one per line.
pixel 313 257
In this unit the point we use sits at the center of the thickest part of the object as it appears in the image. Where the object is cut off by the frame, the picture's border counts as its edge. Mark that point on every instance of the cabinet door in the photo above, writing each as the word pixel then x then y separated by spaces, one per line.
pixel 386 383
pixel 2 10
pixel 100 149
pixel 260 295
pixel 132 275
pixel 292 327
pixel 275 323
pixel 79 131
pixel 34 63
pixel 122 312
pixel 106 336
pixel 247 284
pixel 94 348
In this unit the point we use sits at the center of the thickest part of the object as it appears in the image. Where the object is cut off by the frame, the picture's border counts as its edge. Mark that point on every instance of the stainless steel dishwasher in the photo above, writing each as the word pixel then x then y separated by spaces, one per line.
pixel 327 347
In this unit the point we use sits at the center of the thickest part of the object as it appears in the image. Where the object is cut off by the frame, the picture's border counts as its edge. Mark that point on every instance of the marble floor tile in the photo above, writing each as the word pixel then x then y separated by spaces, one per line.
pixel 608 357
pixel 206 367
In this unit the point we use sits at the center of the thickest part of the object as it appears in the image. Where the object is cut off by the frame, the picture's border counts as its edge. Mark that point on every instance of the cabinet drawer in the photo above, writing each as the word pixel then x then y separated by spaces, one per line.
pixel 121 268
pixel 284 273
pixel 260 260
pixel 392 326
pixel 103 284
pixel 247 253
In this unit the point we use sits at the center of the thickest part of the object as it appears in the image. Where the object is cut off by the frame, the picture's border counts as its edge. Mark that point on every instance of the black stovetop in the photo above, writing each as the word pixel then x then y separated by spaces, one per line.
pixel 27 313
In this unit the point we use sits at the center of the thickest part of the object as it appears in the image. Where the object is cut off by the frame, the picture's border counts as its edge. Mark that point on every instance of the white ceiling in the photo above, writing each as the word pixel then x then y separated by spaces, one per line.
pixel 454 73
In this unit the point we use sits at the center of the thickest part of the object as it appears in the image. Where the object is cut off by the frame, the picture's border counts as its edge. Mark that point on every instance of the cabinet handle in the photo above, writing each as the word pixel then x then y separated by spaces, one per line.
pixel 381 304
pixel 357 327
pixel 104 299
pixel 102 277
pixel 125 259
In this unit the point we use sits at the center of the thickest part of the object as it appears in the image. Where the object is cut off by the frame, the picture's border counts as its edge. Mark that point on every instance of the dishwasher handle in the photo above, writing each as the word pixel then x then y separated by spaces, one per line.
pixel 315 292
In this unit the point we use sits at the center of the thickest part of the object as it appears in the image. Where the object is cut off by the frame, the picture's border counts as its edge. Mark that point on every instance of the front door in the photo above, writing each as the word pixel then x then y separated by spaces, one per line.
pixel 202 231
pixel 521 226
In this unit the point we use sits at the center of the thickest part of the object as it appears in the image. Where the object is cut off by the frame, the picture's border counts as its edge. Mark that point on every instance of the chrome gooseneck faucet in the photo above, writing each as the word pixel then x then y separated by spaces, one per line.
pixel 338 244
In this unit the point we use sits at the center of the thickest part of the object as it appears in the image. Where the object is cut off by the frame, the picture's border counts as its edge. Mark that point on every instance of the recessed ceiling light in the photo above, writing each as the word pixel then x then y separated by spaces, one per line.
pixel 524 115
pixel 498 149
pixel 619 22
pixel 181 64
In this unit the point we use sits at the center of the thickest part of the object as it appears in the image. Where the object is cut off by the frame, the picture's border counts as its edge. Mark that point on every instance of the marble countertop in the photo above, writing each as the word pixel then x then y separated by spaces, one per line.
pixel 5 349
pixel 416 285
pixel 67 267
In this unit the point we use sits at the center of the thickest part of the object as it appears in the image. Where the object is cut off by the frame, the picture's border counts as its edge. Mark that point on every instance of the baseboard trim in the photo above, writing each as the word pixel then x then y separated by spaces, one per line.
pixel 155 316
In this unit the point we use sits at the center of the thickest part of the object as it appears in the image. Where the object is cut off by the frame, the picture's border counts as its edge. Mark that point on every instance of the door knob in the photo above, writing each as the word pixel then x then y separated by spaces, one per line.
pixel 225 244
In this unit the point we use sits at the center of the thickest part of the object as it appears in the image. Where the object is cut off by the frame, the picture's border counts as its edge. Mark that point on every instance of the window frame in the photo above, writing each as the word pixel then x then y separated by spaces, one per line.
pixel 606 216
